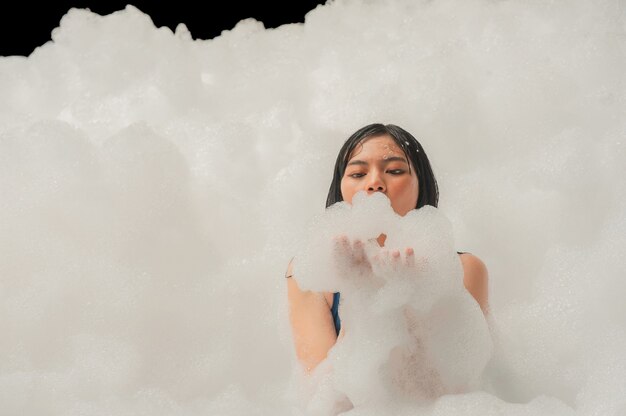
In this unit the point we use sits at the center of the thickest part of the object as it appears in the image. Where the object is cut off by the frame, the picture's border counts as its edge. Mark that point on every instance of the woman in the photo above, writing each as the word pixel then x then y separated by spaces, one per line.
pixel 376 158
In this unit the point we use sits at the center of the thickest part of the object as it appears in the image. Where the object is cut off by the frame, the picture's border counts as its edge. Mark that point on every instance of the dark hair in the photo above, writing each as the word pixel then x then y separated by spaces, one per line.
pixel 428 190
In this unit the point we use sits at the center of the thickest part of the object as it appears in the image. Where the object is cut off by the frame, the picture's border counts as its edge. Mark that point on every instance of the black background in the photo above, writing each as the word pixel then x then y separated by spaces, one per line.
pixel 24 25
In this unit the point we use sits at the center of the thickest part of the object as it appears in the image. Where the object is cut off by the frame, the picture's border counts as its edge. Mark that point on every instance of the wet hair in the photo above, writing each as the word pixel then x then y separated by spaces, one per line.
pixel 428 190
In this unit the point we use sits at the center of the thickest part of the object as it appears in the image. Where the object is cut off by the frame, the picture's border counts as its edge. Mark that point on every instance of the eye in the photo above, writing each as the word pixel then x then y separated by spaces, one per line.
pixel 396 171
pixel 356 175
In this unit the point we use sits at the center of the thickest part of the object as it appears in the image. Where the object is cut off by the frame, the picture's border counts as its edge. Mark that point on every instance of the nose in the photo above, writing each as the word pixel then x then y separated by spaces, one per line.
pixel 376 183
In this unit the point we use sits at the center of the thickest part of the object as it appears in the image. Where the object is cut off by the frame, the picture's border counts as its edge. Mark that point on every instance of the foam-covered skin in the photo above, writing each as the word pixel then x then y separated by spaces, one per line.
pixel 410 328
pixel 154 187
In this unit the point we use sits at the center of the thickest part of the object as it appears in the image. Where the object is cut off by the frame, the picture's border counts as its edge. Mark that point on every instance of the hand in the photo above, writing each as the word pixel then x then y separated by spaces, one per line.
pixel 374 261
pixel 390 263
pixel 351 256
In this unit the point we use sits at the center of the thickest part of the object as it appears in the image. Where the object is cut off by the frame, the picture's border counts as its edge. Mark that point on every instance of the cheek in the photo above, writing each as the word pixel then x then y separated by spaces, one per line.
pixel 409 191
pixel 404 197
pixel 414 186
pixel 416 193
pixel 346 192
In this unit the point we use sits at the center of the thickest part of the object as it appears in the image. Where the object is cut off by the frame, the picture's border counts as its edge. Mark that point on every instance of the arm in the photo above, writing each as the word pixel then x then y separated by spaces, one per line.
pixel 475 279
pixel 311 322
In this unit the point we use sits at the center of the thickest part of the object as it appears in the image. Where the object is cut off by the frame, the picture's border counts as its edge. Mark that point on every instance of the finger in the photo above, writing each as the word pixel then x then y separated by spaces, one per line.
pixel 410 257
pixel 342 246
pixel 380 264
pixel 357 250
pixel 395 258
pixel 345 244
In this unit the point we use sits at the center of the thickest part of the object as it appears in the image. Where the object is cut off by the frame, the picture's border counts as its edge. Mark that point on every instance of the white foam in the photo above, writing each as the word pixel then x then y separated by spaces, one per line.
pixel 154 188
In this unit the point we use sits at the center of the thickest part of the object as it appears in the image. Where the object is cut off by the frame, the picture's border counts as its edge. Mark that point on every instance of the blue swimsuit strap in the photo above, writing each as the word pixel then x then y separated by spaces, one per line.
pixel 335 312
pixel 335 308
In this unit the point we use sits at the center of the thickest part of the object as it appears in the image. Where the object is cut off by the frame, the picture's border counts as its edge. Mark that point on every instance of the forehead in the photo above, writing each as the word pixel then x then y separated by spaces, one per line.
pixel 377 146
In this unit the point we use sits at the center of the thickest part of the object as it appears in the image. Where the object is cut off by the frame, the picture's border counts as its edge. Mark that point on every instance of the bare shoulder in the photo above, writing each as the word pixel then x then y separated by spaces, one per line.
pixel 289 272
pixel 475 278
pixel 294 290
pixel 293 285
pixel 473 267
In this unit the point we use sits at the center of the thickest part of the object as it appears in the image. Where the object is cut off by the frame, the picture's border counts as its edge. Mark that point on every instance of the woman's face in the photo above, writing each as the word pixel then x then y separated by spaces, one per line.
pixel 379 165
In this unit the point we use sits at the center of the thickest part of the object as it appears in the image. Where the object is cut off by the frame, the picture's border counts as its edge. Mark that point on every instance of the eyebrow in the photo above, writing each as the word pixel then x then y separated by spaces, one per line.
pixel 385 161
